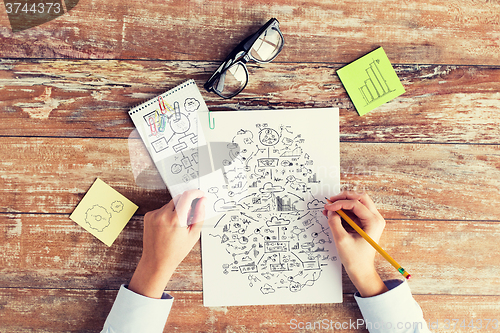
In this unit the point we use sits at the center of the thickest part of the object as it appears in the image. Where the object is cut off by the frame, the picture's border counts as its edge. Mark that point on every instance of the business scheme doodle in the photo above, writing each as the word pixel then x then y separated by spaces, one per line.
pixel 168 127
pixel 270 226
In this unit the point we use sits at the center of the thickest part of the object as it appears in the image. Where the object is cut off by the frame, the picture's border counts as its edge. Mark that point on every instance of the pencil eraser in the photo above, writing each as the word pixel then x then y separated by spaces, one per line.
pixel 408 277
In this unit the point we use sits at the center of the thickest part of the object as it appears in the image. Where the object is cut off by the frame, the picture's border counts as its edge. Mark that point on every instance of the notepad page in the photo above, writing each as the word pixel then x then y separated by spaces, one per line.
pixel 168 126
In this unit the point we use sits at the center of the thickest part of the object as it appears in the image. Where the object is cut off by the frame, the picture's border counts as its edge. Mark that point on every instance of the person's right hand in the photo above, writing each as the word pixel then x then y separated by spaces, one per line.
pixel 356 254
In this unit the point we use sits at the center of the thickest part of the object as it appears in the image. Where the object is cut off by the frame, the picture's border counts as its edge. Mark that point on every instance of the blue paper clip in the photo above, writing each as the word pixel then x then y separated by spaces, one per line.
pixel 177 110
pixel 211 121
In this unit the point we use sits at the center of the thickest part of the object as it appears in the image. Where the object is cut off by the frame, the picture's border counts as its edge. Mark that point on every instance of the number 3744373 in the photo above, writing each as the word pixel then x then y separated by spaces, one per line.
pixel 33 8
pixel 476 324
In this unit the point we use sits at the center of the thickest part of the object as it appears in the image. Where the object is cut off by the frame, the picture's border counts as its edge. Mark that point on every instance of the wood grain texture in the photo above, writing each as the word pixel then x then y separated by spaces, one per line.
pixel 51 175
pixel 278 318
pixel 464 32
pixel 51 251
pixel 67 310
pixel 53 310
pixel 430 158
pixel 439 181
pixel 442 104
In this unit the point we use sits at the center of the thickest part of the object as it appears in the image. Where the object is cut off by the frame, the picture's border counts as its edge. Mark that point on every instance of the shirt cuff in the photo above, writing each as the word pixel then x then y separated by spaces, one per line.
pixel 393 311
pixel 132 312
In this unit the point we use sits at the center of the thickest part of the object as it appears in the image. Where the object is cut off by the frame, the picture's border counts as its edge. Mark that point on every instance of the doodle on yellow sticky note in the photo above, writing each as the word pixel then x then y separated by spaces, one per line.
pixel 370 81
pixel 103 212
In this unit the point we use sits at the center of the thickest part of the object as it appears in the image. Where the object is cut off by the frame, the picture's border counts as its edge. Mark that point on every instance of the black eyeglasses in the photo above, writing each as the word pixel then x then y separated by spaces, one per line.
pixel 232 75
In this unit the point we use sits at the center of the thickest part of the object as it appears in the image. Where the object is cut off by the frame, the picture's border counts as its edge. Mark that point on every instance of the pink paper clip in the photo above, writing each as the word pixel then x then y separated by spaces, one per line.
pixel 152 125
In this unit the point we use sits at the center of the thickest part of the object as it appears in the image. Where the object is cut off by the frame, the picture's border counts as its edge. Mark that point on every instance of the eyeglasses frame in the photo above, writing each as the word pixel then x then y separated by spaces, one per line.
pixel 241 54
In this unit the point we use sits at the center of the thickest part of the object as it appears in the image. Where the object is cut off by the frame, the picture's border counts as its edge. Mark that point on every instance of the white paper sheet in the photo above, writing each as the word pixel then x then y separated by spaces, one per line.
pixel 269 242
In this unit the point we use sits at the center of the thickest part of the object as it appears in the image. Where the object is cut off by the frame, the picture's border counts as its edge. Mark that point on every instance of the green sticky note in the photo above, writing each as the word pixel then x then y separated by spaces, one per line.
pixel 370 81
pixel 103 212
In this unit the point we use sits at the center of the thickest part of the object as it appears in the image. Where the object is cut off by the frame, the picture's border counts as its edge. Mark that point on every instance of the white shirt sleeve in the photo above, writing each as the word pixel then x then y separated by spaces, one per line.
pixel 132 312
pixel 393 311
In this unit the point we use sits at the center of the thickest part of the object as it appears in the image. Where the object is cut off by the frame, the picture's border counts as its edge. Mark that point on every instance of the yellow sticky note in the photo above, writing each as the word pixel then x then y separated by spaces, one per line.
pixel 370 81
pixel 103 212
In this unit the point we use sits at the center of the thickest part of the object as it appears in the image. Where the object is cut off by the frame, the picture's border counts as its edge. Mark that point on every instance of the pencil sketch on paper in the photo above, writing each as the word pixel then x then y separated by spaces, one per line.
pixel 376 85
pixel 168 126
pixel 173 136
pixel 271 227
pixel 98 217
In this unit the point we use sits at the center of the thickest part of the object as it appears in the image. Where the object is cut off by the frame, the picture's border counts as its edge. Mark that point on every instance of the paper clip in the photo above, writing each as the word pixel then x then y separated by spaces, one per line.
pixel 164 108
pixel 162 123
pixel 177 110
pixel 211 121
pixel 152 126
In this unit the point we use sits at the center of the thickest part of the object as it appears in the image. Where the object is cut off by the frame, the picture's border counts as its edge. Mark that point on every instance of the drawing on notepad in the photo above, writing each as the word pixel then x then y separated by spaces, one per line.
pixel 171 129
pixel 168 126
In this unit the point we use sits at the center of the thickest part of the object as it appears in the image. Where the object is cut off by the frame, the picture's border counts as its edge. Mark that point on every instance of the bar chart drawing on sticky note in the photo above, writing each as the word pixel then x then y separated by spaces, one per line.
pixel 370 81
pixel 376 85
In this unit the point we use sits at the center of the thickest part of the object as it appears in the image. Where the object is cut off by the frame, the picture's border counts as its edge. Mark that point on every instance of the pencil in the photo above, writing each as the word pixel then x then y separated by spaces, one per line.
pixel 372 242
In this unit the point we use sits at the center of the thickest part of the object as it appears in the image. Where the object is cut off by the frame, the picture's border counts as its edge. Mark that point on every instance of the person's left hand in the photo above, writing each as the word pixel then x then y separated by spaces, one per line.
pixel 167 241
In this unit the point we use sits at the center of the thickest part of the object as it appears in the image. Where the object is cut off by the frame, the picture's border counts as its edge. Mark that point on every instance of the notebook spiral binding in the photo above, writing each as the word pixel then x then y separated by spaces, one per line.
pixel 153 100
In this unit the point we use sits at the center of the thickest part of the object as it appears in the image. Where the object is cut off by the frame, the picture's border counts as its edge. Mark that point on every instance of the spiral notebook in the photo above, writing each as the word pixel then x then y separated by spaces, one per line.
pixel 168 126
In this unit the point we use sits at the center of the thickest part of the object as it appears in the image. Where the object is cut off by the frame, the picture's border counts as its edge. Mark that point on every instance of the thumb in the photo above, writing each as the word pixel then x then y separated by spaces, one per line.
pixel 198 217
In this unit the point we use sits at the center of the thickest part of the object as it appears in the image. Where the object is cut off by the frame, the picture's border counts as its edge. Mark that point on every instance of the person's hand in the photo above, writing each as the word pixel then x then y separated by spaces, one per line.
pixel 169 235
pixel 356 254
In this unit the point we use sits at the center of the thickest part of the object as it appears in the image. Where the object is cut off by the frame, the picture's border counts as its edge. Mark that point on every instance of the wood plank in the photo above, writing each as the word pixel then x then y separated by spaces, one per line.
pixel 451 252
pixel 436 309
pixel 51 251
pixel 49 310
pixel 54 310
pixel 51 175
pixel 436 32
pixel 423 181
pixel 443 104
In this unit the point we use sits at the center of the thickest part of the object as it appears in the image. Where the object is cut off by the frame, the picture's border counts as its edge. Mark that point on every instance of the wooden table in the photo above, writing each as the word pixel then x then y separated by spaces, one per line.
pixel 430 159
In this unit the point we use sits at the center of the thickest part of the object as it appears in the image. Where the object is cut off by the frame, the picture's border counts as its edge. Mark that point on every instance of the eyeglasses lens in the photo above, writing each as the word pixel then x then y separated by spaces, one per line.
pixel 232 80
pixel 267 45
